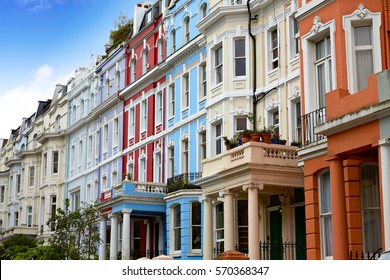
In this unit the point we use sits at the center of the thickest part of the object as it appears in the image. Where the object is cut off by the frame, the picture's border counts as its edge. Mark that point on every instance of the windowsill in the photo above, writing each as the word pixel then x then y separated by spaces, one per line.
pixel 273 71
pixel 239 78
pixel 194 254
pixel 176 254
pixel 294 59
pixel 217 85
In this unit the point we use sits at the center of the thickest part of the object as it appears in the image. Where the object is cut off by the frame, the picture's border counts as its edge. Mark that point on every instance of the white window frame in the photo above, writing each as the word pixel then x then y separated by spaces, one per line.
pixel 159 107
pixel 185 156
pixel 173 41
pixel 171 161
pixel 29 216
pixel 144 115
pixel 145 61
pixel 240 117
pixel 44 164
pixel 218 65
pixel 323 216
pixel 195 227
pixel 186 29
pixel 202 136
pixel 75 199
pixel 105 140
pixel 218 231
pixel 186 91
pixel 133 72
pixel 142 175
pixel 131 122
pixel 55 164
pixel 157 166
pixel 238 57
pixel 90 147
pixel 203 81
pixel 176 229
pixel 361 16
pixel 217 140
pixel 2 194
pixel 273 48
pixel 116 133
pixel 317 32
pixel 294 37
pixel 171 99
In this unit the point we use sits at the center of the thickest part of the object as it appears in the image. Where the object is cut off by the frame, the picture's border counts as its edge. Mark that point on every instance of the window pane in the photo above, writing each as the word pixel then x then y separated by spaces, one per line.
pixel 241 123
pixel 196 215
pixel 240 66
pixel 325 193
pixel 239 48
pixel 362 35
pixel 364 68
pixel 320 49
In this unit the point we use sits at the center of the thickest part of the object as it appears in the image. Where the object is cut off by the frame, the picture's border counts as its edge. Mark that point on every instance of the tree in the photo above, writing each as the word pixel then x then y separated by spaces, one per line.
pixel 76 233
pixel 15 245
pixel 123 31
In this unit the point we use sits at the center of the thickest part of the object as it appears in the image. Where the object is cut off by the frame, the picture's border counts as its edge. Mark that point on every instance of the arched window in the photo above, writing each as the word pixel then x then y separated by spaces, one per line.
pixel 203 10
pixel 186 29
pixel 173 41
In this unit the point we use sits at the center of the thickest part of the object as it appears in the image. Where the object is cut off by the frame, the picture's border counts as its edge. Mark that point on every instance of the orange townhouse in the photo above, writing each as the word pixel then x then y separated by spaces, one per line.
pixel 345 86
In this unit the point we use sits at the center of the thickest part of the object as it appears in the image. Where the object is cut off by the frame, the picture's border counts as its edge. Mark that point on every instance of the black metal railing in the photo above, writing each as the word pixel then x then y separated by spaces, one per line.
pixel 365 255
pixel 137 254
pixel 183 181
pixel 309 122
pixel 273 251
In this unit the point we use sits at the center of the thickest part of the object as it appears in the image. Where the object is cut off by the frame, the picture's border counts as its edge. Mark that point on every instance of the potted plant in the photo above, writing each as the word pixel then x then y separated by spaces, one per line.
pixel 228 143
pixel 275 138
pixel 296 143
pixel 266 134
pixel 245 135
pixel 255 135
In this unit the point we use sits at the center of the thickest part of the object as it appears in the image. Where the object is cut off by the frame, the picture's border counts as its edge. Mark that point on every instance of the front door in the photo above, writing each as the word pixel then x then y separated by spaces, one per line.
pixel 276 235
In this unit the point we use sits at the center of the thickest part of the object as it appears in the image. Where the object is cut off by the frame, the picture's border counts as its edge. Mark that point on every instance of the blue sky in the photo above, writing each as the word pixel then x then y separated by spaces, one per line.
pixel 42 43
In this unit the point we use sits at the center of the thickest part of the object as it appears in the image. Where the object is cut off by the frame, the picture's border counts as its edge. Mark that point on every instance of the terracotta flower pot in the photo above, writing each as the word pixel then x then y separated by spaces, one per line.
pixel 266 137
pixel 255 136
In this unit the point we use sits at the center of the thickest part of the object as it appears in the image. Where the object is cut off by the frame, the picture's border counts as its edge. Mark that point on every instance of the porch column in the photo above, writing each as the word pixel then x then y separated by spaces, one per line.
pixel 207 228
pixel 385 167
pixel 126 234
pixel 228 216
pixel 147 247
pixel 103 244
pixel 339 214
pixel 114 237
pixel 160 236
pixel 253 219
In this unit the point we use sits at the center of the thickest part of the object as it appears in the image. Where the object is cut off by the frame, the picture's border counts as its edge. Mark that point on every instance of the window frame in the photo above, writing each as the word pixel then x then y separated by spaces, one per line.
pixel 361 16
pixel 195 227
pixel 325 246
pixel 218 65
pixel 273 48
pixel 55 162
pixel 239 57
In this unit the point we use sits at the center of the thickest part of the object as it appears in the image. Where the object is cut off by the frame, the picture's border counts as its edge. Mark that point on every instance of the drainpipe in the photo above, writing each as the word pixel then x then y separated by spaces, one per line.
pixel 250 18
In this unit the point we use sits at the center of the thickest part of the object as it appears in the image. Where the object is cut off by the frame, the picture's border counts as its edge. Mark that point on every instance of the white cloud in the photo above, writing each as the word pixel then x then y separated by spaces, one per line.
pixel 23 101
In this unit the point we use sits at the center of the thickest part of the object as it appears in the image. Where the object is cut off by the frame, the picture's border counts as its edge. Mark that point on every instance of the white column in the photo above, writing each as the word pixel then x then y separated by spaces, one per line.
pixel 228 216
pixel 207 228
pixel 114 237
pixel 253 220
pixel 385 167
pixel 126 234
pixel 103 244
pixel 147 222
pixel 160 236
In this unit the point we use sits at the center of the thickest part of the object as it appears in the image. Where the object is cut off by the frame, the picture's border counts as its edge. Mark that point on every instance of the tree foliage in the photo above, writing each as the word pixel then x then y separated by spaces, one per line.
pixel 123 31
pixel 76 234
pixel 15 245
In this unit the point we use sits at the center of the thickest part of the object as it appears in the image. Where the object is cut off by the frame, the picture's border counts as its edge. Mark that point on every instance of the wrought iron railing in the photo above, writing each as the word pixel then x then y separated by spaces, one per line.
pixel 183 181
pixel 137 254
pixel 365 255
pixel 273 251
pixel 309 122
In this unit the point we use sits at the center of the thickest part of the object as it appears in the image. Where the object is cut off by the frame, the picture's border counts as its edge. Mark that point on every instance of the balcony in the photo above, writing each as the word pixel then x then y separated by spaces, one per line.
pixel 183 181
pixel 134 189
pixel 252 153
pixel 309 122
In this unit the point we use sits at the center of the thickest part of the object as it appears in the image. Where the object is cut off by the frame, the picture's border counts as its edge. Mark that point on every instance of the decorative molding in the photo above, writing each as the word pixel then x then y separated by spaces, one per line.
pixel 201 128
pixel 250 185
pixel 361 11
pixel 317 24
pixel 170 144
pixel 295 93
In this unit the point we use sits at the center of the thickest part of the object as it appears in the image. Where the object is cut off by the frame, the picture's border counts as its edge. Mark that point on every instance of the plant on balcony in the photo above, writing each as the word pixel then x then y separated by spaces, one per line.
pixel 296 143
pixel 255 135
pixel 127 176
pixel 266 134
pixel 246 135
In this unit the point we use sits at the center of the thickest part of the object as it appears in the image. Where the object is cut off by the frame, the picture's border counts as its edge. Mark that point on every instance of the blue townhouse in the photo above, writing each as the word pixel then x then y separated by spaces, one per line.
pixel 186 88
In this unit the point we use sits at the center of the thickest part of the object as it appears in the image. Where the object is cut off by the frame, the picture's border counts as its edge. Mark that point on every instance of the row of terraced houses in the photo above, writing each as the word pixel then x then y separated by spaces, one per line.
pixel 141 132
